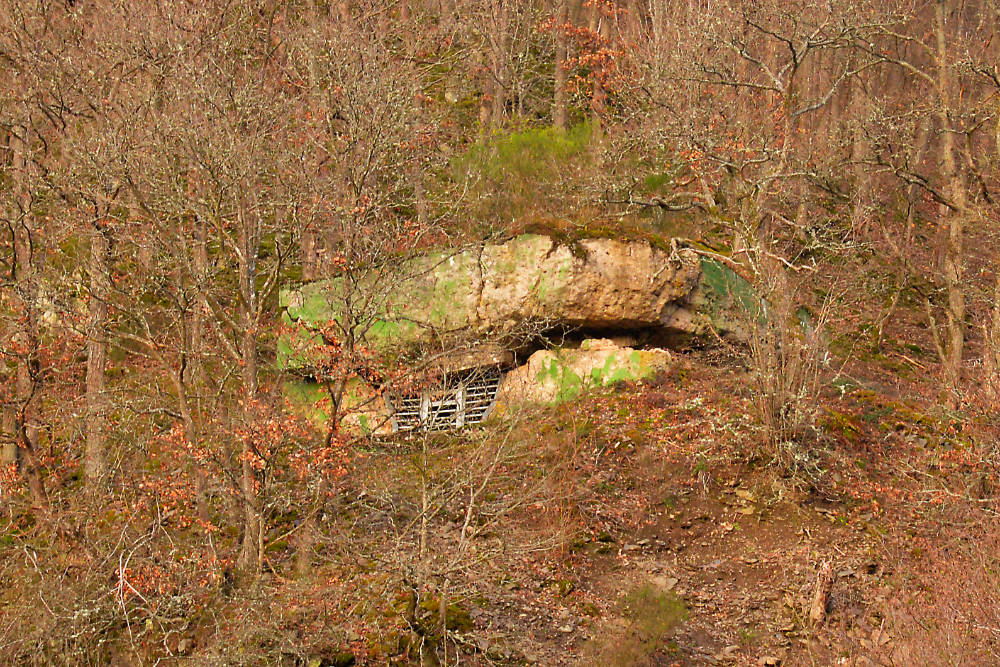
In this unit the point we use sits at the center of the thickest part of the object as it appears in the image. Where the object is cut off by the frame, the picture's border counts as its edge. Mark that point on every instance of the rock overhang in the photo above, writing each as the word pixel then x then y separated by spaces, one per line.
pixel 497 290
pixel 477 306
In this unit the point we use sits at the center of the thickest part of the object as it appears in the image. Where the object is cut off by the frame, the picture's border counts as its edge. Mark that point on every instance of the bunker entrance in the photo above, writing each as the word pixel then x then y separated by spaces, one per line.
pixel 461 398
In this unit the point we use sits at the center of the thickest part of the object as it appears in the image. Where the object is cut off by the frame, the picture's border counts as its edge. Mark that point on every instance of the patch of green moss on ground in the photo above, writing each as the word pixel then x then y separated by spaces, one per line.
pixel 841 424
pixel 457 617
pixel 651 616
pixel 901 411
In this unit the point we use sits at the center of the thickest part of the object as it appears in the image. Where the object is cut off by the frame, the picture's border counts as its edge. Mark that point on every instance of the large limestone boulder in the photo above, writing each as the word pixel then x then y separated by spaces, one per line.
pixel 555 375
pixel 597 283
pixel 450 298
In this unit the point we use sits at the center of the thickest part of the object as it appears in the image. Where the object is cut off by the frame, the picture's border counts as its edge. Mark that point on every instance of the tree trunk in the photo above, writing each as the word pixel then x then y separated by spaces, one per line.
pixel 499 101
pixel 597 97
pixel 251 558
pixel 8 453
pixel 195 382
pixel 499 42
pixel 95 456
pixel 310 252
pixel 305 544
pixel 484 105
pixel 860 150
pixel 28 364
pixel 252 553
pixel 8 430
pixel 921 141
pixel 417 170
pixel 991 348
pixel 308 531
pixel 559 95
pixel 953 251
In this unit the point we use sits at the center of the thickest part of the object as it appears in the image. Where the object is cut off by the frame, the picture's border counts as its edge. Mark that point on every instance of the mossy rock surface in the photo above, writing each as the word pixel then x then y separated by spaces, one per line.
pixel 499 292
pixel 724 298
pixel 557 375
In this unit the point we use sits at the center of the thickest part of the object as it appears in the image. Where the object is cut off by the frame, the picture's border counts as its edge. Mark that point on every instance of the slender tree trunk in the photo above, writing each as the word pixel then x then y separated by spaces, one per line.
pixel 417 170
pixel 27 430
pixel 252 552
pixel 559 95
pixel 8 429
pixel 913 191
pixel 499 101
pixel 419 193
pixel 311 241
pixel 500 43
pixel 197 380
pixel 28 364
pixel 953 255
pixel 597 97
pixel 860 105
pixel 484 104
pixel 251 558
pixel 95 456
pixel 8 454
pixel 306 542
pixel 310 252
pixel 991 347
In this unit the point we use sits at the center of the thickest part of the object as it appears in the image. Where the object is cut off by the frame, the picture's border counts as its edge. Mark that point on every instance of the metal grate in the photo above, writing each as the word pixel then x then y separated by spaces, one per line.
pixel 465 398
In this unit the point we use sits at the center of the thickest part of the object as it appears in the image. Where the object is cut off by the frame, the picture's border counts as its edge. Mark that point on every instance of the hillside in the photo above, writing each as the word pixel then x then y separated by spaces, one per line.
pixel 499 332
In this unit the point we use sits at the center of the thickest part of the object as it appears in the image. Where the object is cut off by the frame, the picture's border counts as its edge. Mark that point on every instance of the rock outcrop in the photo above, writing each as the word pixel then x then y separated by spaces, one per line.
pixel 500 291
pixel 472 308
pixel 599 283
pixel 559 374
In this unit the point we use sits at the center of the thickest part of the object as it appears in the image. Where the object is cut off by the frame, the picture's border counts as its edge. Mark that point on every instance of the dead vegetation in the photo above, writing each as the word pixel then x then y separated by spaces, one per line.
pixel 824 492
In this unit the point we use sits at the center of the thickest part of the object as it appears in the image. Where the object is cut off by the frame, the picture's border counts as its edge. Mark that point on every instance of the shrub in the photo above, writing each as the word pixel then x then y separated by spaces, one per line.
pixel 523 175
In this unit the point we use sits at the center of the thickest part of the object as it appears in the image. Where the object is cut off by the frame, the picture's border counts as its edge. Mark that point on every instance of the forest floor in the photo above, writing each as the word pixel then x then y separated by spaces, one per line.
pixel 643 523
pixel 686 546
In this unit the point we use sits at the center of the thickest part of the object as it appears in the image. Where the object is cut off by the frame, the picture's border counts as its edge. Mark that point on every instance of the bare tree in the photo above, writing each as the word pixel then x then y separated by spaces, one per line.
pixel 753 167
